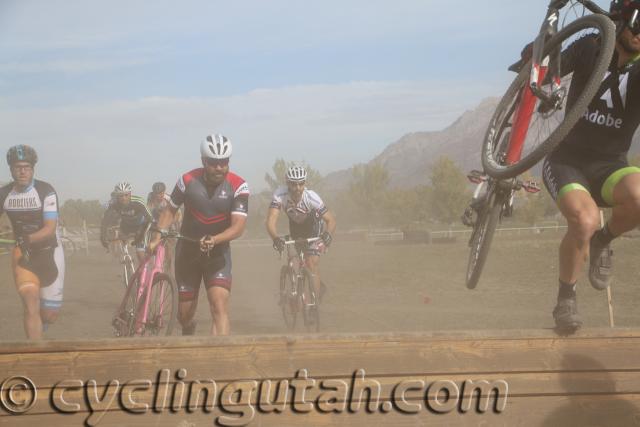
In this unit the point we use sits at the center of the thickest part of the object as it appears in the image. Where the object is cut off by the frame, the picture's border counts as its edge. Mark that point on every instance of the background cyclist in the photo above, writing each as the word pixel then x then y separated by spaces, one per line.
pixel 133 215
pixel 308 217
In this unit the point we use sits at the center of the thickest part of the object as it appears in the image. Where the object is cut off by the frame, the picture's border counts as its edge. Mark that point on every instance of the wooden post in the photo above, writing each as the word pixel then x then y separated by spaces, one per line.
pixel 609 302
pixel 86 237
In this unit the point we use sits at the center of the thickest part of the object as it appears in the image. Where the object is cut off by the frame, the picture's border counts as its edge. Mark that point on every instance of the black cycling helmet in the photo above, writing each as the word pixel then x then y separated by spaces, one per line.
pixel 22 153
pixel 158 187
pixel 627 11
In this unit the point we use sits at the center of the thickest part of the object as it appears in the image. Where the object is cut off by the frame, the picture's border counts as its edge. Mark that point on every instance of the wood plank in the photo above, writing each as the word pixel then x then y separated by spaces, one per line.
pixel 592 411
pixel 518 385
pixel 327 359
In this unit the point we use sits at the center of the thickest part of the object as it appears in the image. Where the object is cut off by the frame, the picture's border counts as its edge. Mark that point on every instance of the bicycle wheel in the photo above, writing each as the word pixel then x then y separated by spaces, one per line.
pixel 288 297
pixel 482 235
pixel 163 305
pixel 128 270
pixel 538 126
pixel 68 246
pixel 123 319
pixel 310 312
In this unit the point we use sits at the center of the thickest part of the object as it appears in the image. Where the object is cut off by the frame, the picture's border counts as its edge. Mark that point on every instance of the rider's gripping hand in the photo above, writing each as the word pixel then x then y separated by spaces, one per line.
pixel 207 243
pixel 326 238
pixel 278 244
pixel 23 243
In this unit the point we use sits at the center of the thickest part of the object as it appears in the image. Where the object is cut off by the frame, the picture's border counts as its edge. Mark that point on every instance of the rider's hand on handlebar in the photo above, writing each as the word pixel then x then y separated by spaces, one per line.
pixel 278 244
pixel 326 238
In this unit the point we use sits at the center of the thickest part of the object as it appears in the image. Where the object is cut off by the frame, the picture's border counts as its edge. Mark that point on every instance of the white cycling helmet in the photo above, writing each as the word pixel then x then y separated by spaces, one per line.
pixel 296 174
pixel 216 146
pixel 122 188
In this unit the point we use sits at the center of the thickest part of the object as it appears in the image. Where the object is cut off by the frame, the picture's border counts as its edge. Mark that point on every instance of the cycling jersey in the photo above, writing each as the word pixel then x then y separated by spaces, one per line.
pixel 305 216
pixel 608 124
pixel 133 216
pixel 208 210
pixel 156 208
pixel 28 209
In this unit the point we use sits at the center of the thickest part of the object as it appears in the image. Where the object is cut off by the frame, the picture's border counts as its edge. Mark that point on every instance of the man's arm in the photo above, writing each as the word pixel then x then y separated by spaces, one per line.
pixel 272 221
pixel 235 230
pixel 46 232
pixel 330 221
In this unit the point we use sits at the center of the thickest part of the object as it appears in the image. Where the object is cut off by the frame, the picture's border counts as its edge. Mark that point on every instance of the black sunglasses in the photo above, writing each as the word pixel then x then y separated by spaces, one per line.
pixel 216 162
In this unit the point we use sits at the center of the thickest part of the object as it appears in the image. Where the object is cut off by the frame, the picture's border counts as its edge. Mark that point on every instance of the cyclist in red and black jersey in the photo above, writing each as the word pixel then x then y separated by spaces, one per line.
pixel 37 259
pixel 589 168
pixel 216 206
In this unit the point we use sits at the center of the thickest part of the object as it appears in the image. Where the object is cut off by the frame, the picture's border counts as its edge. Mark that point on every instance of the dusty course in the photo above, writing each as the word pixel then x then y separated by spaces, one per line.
pixel 372 288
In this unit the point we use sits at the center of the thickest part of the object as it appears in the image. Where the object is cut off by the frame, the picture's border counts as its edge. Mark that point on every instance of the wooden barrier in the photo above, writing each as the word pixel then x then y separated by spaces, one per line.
pixel 530 378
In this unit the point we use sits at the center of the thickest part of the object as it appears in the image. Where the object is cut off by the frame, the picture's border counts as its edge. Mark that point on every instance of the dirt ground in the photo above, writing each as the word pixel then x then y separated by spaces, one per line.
pixel 372 288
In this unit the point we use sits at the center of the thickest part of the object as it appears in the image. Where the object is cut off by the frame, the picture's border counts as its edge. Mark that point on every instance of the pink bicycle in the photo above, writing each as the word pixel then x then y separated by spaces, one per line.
pixel 150 302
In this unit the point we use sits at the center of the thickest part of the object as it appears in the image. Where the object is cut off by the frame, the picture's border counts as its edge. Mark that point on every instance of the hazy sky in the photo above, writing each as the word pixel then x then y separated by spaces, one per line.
pixel 126 90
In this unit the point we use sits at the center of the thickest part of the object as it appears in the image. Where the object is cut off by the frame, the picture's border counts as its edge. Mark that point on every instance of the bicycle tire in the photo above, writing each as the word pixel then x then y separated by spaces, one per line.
pixel 288 300
pixel 128 270
pixel 482 236
pixel 310 312
pixel 122 321
pixel 492 161
pixel 163 306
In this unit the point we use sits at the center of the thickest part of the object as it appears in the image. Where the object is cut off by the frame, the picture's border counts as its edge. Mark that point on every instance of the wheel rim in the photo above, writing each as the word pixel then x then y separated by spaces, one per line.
pixel 546 128
pixel 160 313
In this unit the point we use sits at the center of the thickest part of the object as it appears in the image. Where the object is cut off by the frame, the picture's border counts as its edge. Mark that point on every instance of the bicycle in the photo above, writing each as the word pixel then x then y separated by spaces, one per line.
pixel 296 287
pixel 150 303
pixel 120 245
pixel 532 118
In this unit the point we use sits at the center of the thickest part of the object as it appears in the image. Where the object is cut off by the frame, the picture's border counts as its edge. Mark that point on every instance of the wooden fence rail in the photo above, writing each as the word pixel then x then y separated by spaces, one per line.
pixel 506 378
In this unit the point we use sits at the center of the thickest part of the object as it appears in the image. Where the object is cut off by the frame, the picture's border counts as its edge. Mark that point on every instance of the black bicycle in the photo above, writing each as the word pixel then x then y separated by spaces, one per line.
pixel 532 118
pixel 297 292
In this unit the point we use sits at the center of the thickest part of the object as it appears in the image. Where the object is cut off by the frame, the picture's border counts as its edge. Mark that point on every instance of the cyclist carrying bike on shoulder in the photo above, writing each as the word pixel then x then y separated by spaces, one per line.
pixel 589 168
pixel 308 217
pixel 133 214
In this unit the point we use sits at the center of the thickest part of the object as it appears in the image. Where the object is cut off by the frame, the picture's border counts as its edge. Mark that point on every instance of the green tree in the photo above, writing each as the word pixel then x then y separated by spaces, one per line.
pixel 279 169
pixel 367 191
pixel 449 190
pixel 74 211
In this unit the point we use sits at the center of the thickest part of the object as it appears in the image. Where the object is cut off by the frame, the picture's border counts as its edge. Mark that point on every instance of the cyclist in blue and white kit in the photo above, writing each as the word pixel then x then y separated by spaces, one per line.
pixel 37 259
pixel 308 217
pixel 589 168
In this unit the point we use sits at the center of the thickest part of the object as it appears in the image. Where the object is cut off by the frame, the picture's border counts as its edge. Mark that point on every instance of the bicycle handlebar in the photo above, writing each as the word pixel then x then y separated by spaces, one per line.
pixel 309 240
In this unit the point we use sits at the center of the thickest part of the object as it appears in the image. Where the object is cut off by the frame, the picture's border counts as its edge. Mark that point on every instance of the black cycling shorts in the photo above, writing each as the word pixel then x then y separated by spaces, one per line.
pixel 593 173
pixel 194 266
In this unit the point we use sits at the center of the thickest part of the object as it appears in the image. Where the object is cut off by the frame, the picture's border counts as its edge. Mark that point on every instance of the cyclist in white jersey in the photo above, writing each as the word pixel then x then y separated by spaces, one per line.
pixel 37 259
pixel 308 217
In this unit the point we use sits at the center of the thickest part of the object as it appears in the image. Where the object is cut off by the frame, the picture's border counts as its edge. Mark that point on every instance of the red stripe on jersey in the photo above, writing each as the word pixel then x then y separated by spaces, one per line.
pixel 195 173
pixel 205 220
pixel 234 180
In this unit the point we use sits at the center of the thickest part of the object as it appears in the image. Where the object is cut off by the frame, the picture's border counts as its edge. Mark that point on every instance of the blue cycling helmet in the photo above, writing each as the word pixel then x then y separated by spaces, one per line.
pixel 22 153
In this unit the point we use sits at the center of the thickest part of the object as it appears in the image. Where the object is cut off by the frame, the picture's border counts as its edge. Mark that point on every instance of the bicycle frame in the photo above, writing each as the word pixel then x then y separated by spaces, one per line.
pixel 147 271
pixel 297 253
pixel 541 69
